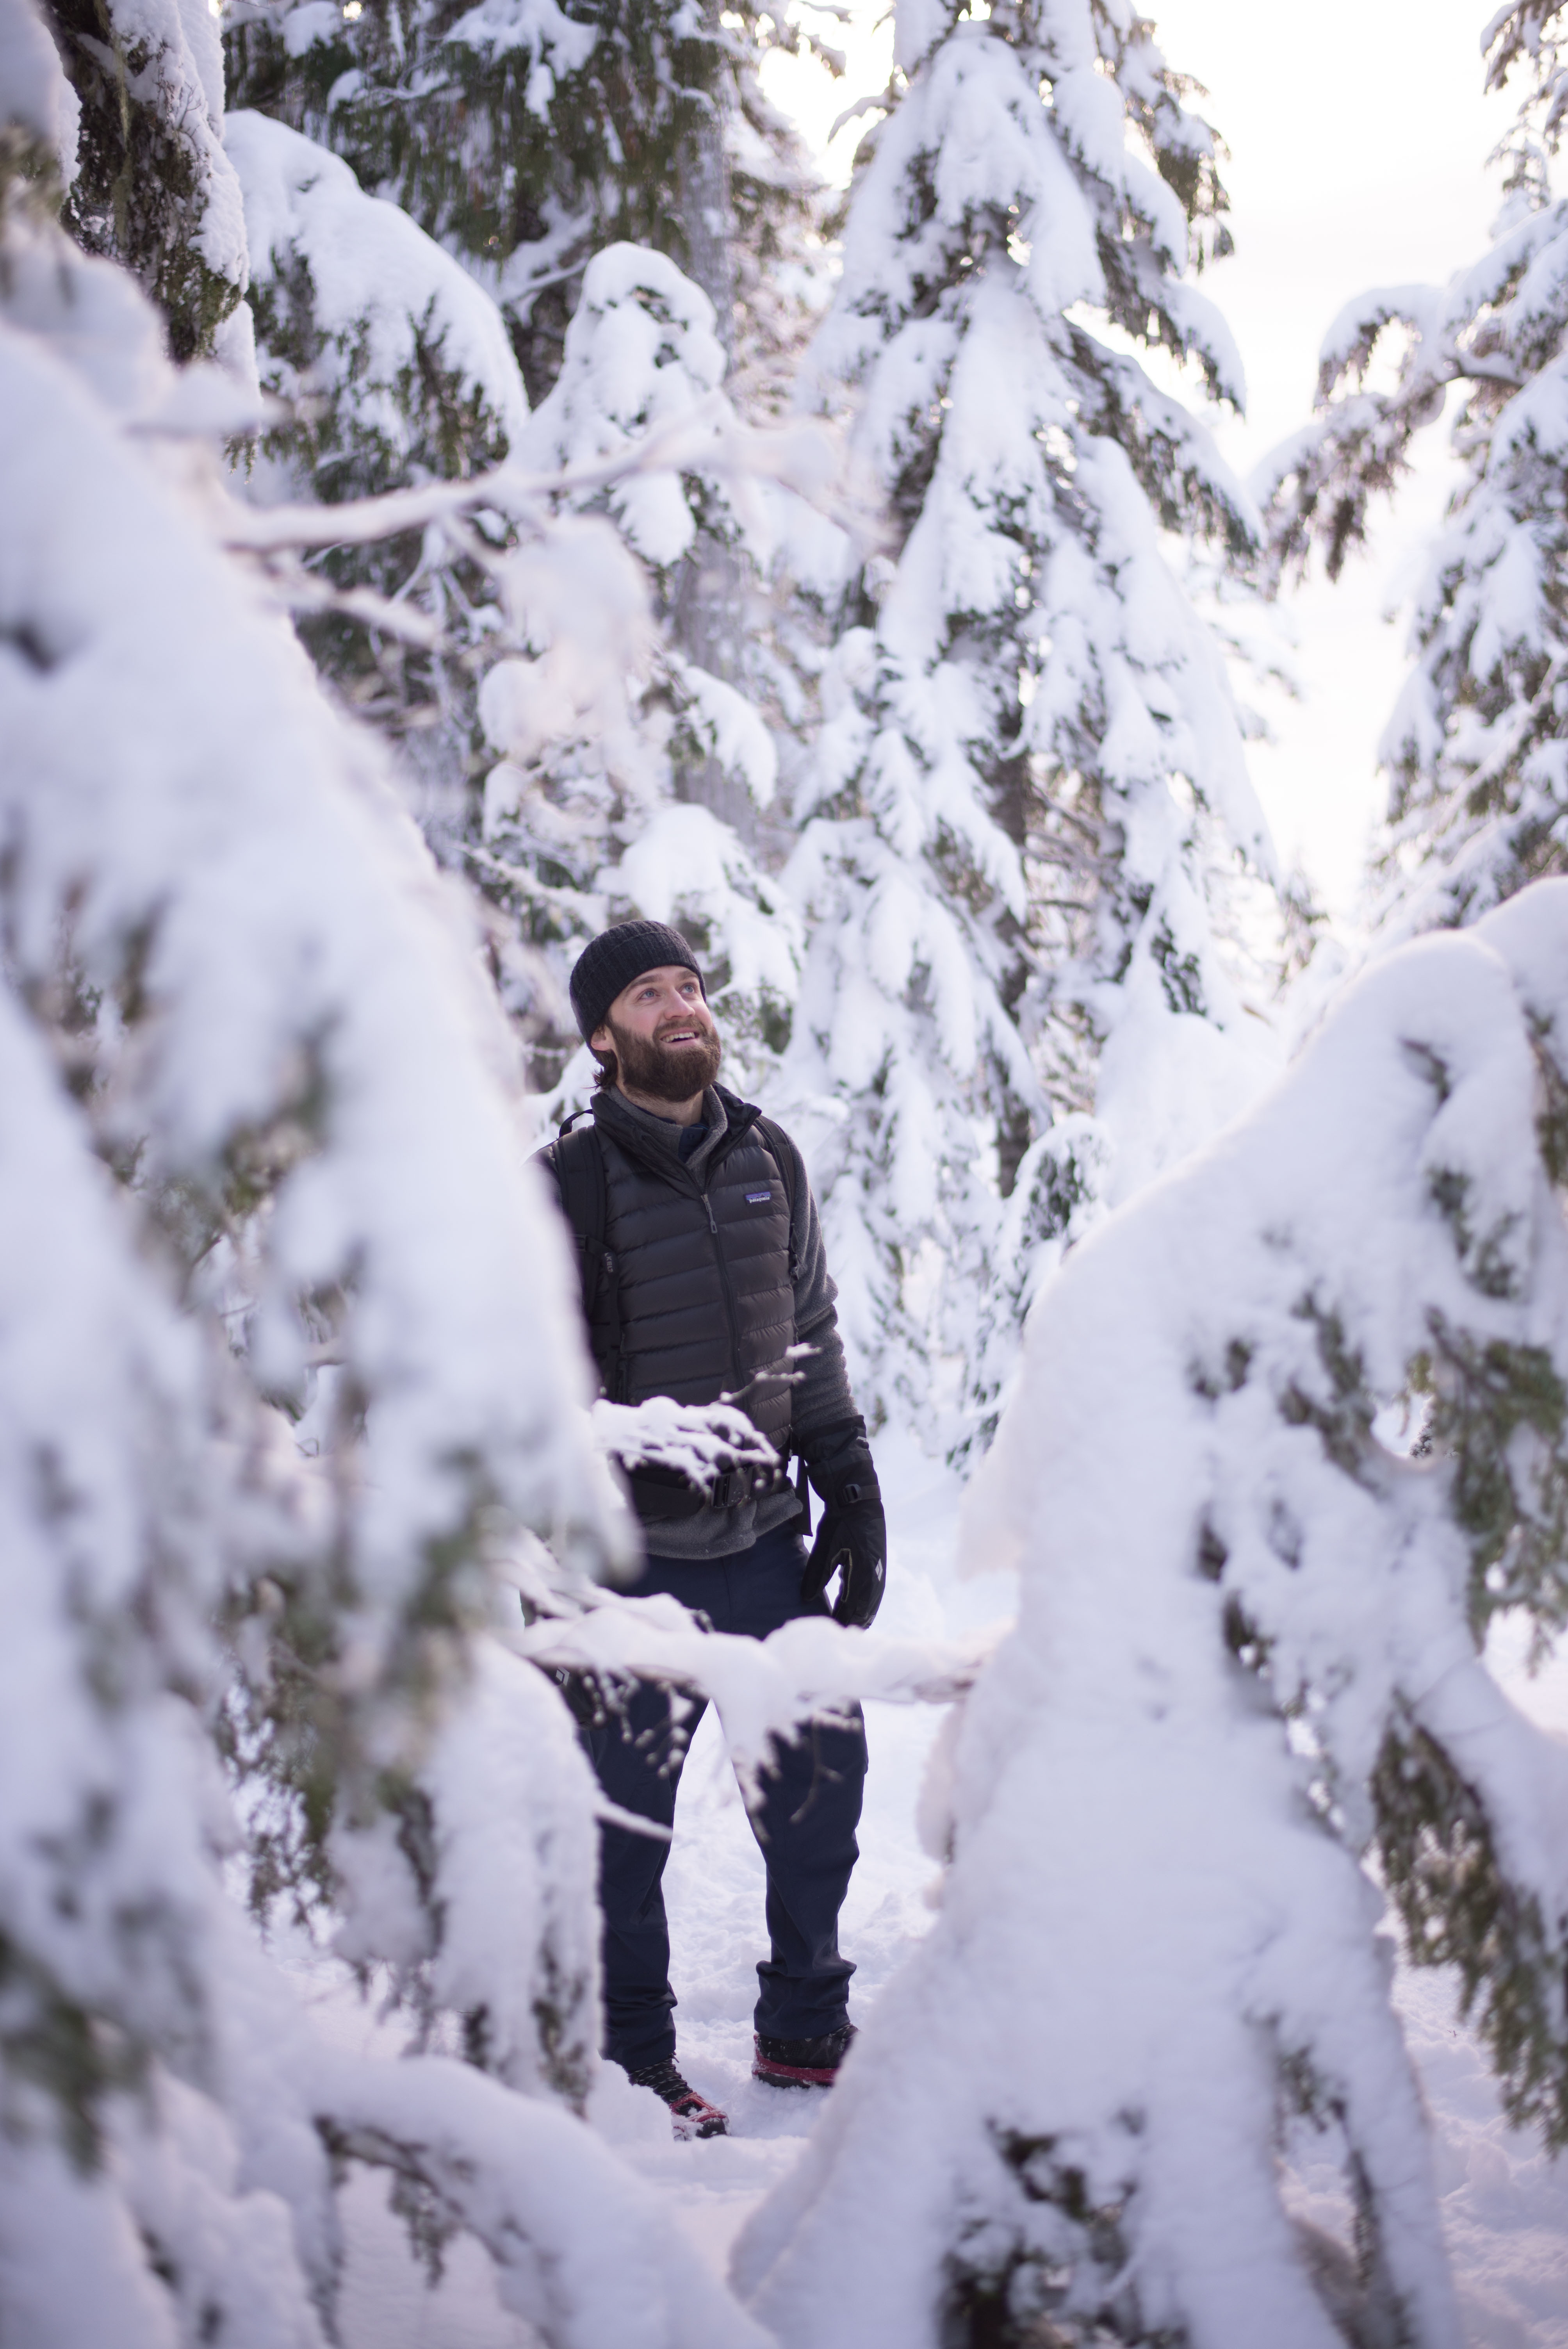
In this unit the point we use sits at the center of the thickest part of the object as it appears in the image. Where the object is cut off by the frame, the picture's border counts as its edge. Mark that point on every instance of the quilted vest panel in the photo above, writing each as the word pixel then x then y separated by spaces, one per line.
pixel 702 1275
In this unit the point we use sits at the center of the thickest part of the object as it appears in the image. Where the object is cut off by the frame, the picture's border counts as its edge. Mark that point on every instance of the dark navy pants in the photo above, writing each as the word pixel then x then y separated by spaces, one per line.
pixel 805 1824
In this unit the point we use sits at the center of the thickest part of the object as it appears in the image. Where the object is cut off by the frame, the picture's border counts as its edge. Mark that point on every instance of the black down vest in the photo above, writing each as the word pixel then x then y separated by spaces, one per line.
pixel 698 1296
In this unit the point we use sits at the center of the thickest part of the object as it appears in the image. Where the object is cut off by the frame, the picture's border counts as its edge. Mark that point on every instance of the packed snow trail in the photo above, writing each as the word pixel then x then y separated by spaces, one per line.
pixel 1505 2203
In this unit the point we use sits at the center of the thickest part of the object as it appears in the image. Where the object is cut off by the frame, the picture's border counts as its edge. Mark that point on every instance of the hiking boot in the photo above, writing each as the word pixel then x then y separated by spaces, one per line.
pixel 801 2063
pixel 692 2115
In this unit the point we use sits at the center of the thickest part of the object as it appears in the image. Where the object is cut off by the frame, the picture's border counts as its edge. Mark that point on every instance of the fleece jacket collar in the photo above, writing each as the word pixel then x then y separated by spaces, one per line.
pixel 655 1141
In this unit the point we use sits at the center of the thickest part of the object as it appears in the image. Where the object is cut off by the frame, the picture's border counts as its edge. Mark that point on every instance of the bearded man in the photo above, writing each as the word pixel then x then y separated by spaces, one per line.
pixel 705 1277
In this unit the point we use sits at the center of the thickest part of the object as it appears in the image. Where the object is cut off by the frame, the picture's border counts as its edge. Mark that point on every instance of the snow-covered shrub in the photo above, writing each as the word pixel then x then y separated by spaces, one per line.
pixel 1476 752
pixel 1248 1671
pixel 1030 785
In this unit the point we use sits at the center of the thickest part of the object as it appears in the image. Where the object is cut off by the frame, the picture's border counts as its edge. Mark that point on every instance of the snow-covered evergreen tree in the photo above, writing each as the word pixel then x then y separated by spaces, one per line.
pixel 289 1359
pixel 522 141
pixel 1248 1659
pixel 1031 782
pixel 1476 749
pixel 398 370
pixel 395 358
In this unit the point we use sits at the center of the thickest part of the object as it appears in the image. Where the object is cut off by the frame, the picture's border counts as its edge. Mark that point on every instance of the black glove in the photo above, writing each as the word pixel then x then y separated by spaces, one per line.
pixel 853 1533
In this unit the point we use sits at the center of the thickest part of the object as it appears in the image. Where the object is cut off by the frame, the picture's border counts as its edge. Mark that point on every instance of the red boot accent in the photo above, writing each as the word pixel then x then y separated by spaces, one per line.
pixel 801 2063
pixel 793 2075
pixel 692 2115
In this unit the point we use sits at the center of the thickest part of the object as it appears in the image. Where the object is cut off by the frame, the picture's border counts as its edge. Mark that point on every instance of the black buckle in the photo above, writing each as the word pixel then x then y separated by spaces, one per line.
pixel 738 1485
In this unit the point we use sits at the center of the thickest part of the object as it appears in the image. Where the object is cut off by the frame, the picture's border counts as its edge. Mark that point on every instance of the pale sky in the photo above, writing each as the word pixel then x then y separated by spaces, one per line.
pixel 1358 137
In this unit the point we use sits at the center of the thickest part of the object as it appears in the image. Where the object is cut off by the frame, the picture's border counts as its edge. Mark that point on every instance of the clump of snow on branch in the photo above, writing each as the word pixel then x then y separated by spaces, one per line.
pixel 641 352
pixel 1248 1655
pixel 353 290
pixel 40 103
pixel 727 723
pixel 687 865
pixel 558 44
pixel 575 598
pixel 702 1440
pixel 514 1851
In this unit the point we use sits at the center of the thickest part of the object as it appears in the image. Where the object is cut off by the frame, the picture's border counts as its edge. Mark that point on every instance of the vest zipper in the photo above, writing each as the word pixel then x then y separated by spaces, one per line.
pixel 730 1313
pixel 729 1142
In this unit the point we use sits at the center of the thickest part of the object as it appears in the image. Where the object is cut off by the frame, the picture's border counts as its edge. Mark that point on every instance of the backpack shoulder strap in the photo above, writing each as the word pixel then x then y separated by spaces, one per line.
pixel 577 1162
pixel 786 1158
pixel 782 1150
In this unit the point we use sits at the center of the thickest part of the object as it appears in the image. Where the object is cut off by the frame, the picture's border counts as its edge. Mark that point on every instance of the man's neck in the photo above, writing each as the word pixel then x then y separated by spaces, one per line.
pixel 687 1113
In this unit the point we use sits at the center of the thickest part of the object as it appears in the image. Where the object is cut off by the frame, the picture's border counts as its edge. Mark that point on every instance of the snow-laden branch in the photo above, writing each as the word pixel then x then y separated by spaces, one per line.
pixel 360 522
pixel 882 103
pixel 763 1689
pixel 545 2197
pixel 702 1441
pixel 582 2248
pixel 706 440
pixel 302 590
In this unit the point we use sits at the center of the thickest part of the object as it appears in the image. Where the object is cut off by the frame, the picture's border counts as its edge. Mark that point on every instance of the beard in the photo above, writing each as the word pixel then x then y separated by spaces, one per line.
pixel 665 1072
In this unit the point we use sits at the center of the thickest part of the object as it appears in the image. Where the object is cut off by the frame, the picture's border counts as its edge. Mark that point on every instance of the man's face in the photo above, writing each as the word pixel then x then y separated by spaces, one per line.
pixel 662 1034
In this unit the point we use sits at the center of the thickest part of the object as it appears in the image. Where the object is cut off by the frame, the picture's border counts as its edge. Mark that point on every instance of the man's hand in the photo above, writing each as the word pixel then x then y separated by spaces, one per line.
pixel 852 1537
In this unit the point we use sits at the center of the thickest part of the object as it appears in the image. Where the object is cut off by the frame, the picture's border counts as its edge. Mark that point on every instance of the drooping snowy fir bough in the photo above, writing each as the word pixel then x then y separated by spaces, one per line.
pixel 1030 796
pixel 1476 752
pixel 1248 1662
pixel 264 1200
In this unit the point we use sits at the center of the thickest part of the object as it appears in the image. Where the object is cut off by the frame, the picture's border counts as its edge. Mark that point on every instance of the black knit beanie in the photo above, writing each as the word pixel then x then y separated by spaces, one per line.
pixel 614 958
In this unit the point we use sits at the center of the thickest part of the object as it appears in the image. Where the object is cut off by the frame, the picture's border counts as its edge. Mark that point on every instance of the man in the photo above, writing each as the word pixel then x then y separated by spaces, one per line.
pixel 703 1276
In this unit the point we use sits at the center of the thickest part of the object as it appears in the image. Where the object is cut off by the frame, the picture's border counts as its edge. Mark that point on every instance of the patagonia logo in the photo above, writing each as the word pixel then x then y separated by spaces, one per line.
pixel 758 1198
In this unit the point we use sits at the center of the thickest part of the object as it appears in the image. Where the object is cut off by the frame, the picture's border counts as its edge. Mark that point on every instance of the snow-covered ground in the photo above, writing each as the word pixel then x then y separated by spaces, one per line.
pixel 1505 2204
